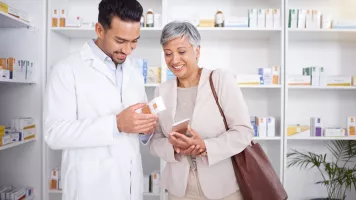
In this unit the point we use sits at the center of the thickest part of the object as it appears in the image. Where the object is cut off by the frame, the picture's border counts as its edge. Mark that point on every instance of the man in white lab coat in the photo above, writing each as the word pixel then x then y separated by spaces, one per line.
pixel 90 110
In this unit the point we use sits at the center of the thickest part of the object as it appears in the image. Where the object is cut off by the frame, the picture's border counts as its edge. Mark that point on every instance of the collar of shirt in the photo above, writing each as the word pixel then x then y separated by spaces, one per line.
pixel 103 57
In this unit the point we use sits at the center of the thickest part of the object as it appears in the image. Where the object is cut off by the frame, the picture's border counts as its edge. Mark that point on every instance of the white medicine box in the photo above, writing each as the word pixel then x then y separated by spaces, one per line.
pixel 261 21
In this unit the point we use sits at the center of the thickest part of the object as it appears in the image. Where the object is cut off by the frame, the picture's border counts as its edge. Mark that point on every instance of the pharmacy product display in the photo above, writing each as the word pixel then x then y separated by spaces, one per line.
pixel 263 126
pixel 255 18
pixel 317 129
pixel 151 74
pixel 21 129
pixel 317 76
pixel 13 69
pixel 315 19
pixel 15 193
pixel 13 11
pixel 265 76
pixel 62 19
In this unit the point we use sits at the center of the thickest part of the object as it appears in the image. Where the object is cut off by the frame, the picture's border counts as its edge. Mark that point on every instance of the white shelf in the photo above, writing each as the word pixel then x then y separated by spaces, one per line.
pixel 261 86
pixel 156 32
pixel 265 138
pixel 16 144
pixel 9 21
pixel 323 34
pixel 151 194
pixel 321 138
pixel 55 191
pixel 323 87
pixel 16 81
pixel 90 32
pixel 238 33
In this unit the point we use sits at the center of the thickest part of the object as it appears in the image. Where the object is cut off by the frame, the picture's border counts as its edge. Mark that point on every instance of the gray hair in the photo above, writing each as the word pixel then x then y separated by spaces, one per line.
pixel 180 29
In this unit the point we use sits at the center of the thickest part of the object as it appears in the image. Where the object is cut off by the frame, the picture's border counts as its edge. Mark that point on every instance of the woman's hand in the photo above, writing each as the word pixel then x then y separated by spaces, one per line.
pixel 193 145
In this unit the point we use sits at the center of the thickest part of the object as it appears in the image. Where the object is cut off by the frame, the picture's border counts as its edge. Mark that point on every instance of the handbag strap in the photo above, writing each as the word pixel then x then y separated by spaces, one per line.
pixel 217 99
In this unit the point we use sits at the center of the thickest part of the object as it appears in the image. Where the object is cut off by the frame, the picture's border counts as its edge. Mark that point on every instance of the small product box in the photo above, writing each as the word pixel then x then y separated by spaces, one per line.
pixel 262 126
pixel 276 18
pixel 248 79
pixel 252 18
pixel 339 81
pixel 317 19
pixel 271 127
pixel 316 127
pixel 309 19
pixel 301 18
pixel 269 18
pixel 322 76
pixel 254 125
pixel 293 18
pixel 261 21
pixel 295 80
pixel 334 132
pixel 155 106
pixel 266 74
pixel 275 75
pixel 315 77
pixel 351 126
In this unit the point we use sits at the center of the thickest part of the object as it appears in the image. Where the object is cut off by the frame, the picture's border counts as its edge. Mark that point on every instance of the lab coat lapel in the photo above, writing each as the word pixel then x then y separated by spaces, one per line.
pixel 127 69
pixel 97 64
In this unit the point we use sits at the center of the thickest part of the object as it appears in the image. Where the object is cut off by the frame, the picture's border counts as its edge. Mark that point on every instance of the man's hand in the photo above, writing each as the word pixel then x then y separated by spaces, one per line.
pixel 129 121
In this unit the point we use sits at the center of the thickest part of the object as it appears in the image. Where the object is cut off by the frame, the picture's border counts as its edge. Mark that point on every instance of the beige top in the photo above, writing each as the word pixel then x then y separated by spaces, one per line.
pixel 185 105
pixel 215 172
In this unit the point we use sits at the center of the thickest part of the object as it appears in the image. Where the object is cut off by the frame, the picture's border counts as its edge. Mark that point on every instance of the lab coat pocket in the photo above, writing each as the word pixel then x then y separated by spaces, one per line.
pixel 101 179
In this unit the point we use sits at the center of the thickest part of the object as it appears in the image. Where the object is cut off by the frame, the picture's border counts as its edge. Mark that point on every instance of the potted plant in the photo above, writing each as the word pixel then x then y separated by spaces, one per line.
pixel 338 173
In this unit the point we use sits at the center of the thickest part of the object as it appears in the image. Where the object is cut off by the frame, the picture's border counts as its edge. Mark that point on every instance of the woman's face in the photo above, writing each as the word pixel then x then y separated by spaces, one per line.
pixel 180 57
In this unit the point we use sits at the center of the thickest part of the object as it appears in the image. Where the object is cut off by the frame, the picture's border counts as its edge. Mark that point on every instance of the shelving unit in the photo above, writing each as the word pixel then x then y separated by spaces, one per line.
pixel 21 162
pixel 243 51
pixel 16 144
pixel 321 138
pixel 9 21
pixel 16 81
pixel 328 48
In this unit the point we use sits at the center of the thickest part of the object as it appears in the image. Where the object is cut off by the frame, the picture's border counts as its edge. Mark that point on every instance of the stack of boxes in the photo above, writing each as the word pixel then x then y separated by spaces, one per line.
pixel 263 126
pixel 22 129
pixel 316 129
pixel 307 19
pixel 8 9
pixel 264 18
pixel 55 182
pixel 19 70
pixel 313 19
pixel 265 76
pixel 316 76
pixel 15 193
pixel 151 75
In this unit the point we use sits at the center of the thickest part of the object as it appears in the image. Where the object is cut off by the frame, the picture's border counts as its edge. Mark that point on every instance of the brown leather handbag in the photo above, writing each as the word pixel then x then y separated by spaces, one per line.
pixel 254 173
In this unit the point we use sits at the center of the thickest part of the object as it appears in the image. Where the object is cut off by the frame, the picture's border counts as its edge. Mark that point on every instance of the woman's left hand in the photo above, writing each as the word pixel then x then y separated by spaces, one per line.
pixel 197 144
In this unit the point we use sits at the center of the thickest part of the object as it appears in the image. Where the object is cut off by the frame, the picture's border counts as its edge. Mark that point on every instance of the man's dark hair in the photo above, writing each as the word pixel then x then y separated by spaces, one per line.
pixel 126 10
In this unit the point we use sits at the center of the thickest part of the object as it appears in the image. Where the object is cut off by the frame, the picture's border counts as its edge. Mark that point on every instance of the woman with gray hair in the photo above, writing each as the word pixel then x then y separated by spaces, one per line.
pixel 198 164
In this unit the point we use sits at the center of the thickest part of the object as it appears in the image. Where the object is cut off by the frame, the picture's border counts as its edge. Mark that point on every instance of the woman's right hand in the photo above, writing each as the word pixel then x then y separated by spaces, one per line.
pixel 182 147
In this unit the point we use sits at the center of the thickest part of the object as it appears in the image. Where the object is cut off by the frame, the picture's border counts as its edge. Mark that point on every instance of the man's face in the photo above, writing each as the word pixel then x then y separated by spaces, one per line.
pixel 119 40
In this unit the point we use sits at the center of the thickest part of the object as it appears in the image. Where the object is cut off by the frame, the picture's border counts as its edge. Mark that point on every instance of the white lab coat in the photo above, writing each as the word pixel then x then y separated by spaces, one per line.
pixel 81 104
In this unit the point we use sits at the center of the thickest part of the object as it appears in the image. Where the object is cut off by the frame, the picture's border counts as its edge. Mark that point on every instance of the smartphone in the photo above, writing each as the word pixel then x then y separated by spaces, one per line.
pixel 181 127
